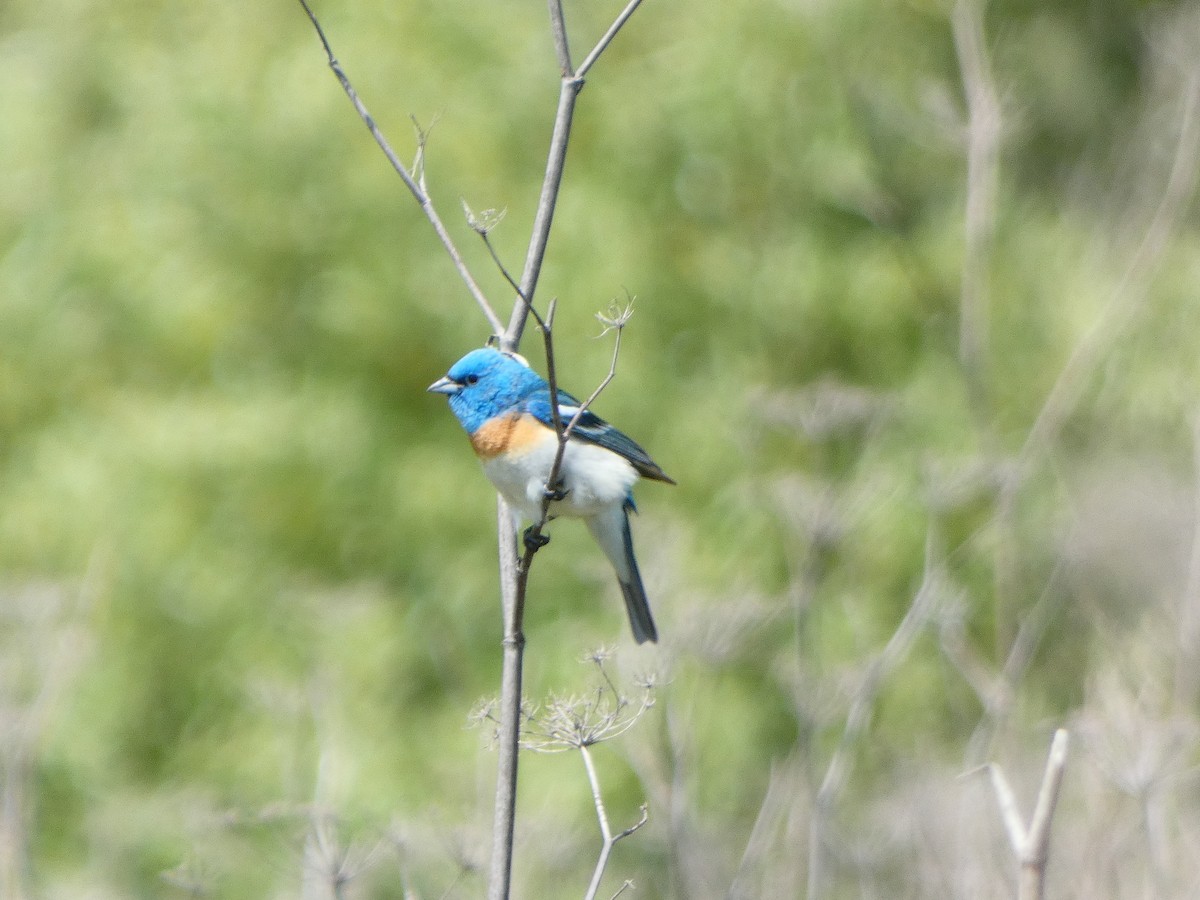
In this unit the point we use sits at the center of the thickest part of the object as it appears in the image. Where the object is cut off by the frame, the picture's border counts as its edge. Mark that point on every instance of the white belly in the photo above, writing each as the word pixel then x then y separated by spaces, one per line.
pixel 593 477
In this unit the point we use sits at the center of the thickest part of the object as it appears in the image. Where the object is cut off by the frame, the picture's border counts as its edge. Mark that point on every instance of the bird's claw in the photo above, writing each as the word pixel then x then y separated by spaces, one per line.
pixel 557 493
pixel 535 540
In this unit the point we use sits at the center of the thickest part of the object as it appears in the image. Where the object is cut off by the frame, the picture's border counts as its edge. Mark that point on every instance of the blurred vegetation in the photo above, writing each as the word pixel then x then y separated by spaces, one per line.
pixel 248 586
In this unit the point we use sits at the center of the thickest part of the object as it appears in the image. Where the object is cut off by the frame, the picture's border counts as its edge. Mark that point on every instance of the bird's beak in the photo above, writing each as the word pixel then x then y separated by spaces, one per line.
pixel 444 385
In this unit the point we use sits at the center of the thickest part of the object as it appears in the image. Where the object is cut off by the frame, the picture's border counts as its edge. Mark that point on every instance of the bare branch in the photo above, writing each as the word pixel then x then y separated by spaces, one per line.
pixel 512 597
pixel 1032 846
pixel 610 839
pixel 597 798
pixel 514 569
pixel 1009 811
pixel 555 162
pixel 983 146
pixel 558 27
pixel 1038 847
pixel 572 84
pixel 779 794
pixel 602 44
pixel 482 224
pixel 996 690
pixel 547 326
pixel 642 820
pixel 415 187
pixel 617 325
pixel 1131 292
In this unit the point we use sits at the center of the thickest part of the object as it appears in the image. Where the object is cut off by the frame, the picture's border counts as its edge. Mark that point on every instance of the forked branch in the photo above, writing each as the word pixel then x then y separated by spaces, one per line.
pixel 610 839
pixel 572 84
pixel 1032 846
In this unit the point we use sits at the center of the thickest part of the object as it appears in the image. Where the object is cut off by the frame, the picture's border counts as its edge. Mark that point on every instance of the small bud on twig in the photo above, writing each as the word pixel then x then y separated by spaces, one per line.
pixel 485 221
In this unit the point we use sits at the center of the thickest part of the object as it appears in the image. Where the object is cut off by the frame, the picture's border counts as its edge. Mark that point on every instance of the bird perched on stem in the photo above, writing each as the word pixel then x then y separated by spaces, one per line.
pixel 505 408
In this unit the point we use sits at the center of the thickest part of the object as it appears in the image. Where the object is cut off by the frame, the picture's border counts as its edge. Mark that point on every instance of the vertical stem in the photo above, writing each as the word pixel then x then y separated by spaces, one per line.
pixel 512 581
pixel 555 162
pixel 513 575
pixel 1029 882
pixel 512 595
pixel 558 28
pixel 605 833
pixel 983 134
pixel 983 143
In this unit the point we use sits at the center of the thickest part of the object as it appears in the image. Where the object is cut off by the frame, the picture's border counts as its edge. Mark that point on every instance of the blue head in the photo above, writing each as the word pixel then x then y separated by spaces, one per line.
pixel 485 383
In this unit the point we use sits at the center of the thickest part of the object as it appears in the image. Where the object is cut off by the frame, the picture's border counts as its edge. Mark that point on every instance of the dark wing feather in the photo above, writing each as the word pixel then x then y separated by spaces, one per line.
pixel 595 430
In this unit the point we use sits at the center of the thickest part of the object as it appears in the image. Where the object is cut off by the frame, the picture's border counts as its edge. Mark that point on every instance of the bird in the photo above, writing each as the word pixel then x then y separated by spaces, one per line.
pixel 505 408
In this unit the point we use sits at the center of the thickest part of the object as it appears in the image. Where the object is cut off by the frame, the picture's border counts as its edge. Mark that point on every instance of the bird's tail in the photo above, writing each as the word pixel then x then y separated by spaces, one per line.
pixel 611 531
pixel 639 610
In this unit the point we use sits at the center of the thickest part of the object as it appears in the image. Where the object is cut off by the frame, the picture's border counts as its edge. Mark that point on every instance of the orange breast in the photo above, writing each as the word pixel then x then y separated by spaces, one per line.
pixel 507 434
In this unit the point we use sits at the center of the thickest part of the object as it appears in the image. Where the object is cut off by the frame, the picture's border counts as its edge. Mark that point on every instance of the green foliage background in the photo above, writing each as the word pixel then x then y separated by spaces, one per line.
pixel 248 565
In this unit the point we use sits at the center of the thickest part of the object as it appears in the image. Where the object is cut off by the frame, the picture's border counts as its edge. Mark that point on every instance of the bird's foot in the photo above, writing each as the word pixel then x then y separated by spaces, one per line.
pixel 535 540
pixel 557 493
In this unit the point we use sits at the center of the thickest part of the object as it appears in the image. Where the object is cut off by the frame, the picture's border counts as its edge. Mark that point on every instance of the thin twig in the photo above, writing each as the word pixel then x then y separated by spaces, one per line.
pixel 533 535
pixel 1043 812
pixel 602 44
pixel 572 84
pixel 996 690
pixel 612 373
pixel 1132 289
pixel 563 431
pixel 487 242
pixel 1009 811
pixel 780 793
pixel 414 186
pixel 547 327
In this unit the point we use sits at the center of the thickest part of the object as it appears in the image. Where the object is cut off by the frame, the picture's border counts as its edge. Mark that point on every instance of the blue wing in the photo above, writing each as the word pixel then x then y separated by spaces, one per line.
pixel 593 429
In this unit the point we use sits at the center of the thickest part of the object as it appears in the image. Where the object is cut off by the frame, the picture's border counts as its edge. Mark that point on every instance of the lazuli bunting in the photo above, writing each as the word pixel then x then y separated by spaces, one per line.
pixel 505 408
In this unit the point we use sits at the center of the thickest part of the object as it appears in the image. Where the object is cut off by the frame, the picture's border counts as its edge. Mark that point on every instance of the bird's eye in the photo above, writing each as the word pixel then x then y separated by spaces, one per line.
pixel 471 379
